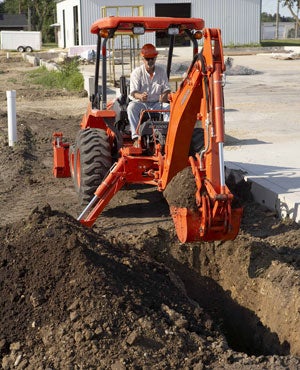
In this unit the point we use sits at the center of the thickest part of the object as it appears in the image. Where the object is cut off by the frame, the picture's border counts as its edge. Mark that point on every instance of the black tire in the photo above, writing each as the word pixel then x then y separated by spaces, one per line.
pixel 28 49
pixel 92 160
pixel 197 142
pixel 21 49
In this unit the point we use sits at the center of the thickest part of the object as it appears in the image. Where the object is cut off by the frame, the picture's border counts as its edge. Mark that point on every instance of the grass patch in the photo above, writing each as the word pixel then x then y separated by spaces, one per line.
pixel 266 43
pixel 13 80
pixel 281 43
pixel 67 77
pixel 49 45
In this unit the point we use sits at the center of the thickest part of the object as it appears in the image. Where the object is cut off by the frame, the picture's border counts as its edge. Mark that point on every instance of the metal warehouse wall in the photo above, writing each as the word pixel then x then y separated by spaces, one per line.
pixel 92 11
pixel 239 20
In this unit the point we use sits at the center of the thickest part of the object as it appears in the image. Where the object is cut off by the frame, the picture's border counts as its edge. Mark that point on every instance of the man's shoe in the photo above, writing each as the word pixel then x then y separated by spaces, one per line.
pixel 136 143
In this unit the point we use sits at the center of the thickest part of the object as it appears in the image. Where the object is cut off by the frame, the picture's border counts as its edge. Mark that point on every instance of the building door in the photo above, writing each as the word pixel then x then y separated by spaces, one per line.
pixel 76 26
pixel 180 10
pixel 64 28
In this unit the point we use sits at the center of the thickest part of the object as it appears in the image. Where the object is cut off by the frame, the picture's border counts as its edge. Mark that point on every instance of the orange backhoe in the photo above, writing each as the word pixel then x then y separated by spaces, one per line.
pixel 104 158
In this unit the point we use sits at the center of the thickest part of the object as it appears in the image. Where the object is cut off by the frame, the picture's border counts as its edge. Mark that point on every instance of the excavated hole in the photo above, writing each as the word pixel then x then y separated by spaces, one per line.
pixel 249 285
pixel 235 301
pixel 241 325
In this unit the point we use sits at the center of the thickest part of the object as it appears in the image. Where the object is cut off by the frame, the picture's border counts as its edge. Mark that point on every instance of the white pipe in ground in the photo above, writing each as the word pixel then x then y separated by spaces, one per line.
pixel 11 117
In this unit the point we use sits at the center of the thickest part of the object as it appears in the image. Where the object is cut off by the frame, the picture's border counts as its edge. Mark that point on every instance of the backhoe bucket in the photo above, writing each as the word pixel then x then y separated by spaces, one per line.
pixel 191 225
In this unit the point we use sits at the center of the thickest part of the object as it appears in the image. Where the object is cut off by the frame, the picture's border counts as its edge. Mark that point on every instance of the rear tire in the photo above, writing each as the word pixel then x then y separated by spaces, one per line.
pixel 197 142
pixel 92 160
pixel 21 49
pixel 28 49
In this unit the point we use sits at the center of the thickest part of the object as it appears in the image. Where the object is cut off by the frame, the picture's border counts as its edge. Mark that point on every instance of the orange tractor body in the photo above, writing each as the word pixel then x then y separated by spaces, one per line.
pixel 104 159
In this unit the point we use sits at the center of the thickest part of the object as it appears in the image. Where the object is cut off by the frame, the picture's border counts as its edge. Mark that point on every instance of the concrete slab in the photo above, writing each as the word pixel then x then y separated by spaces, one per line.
pixel 262 113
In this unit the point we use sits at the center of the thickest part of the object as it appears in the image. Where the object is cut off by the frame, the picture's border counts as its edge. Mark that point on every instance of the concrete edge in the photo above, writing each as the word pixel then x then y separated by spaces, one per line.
pixel 285 205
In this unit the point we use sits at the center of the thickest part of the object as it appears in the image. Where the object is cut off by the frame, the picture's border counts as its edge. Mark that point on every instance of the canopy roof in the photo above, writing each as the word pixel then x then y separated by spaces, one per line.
pixel 149 23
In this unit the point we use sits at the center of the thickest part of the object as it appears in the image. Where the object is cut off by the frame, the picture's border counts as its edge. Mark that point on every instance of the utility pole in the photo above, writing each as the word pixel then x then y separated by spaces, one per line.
pixel 277 21
pixel 29 18
pixel 297 23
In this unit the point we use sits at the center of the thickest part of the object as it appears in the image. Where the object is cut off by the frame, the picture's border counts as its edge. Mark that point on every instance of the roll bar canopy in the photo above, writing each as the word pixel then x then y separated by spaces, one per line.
pixel 150 24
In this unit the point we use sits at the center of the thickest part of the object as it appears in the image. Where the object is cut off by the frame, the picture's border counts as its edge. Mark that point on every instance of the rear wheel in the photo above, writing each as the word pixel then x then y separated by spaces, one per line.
pixel 28 49
pixel 197 142
pixel 91 161
pixel 21 49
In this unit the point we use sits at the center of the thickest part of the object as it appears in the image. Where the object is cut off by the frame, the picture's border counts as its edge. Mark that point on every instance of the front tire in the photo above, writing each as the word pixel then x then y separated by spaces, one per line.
pixel 92 161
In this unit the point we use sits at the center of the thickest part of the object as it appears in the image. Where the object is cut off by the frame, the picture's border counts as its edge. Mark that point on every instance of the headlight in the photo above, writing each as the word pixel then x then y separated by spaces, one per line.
pixel 138 30
pixel 173 31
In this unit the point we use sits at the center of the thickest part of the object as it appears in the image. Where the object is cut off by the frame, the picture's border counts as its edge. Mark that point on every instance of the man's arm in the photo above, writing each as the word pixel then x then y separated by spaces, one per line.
pixel 165 87
pixel 164 97
pixel 135 81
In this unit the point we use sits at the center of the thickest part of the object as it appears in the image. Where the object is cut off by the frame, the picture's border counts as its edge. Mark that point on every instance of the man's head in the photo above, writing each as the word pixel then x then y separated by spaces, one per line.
pixel 149 54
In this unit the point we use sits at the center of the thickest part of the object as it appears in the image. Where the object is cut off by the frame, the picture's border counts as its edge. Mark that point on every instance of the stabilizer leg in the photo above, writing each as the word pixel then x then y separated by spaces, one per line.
pixel 113 182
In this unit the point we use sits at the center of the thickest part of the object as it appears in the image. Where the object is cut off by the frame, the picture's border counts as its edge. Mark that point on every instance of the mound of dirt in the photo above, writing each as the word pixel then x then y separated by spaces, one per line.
pixel 180 192
pixel 236 70
pixel 71 299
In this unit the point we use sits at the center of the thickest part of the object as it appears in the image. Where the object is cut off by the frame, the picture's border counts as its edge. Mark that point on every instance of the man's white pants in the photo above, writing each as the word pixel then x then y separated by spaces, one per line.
pixel 134 110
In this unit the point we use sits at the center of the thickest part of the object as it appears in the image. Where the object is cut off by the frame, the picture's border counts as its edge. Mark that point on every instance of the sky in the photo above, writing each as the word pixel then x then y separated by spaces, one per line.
pixel 270 6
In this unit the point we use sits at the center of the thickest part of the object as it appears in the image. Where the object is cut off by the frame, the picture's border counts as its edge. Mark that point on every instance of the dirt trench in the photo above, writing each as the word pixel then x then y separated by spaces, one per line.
pixel 258 314
pixel 250 286
pixel 127 294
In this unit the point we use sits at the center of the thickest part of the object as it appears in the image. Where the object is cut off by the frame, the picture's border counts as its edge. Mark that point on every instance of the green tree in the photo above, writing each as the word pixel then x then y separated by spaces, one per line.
pixel 291 5
pixel 43 13
pixel 40 14
pixel 266 17
pixel 14 6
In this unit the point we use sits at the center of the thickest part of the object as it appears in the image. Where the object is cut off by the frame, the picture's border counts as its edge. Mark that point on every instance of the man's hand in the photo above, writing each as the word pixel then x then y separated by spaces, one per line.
pixel 164 97
pixel 141 96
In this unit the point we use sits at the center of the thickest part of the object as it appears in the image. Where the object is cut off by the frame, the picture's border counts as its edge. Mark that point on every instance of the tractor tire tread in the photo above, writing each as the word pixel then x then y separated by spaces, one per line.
pixel 95 162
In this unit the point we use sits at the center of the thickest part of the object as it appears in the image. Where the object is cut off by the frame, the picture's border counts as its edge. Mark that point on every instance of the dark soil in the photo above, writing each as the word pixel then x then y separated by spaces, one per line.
pixel 126 294
pixel 180 192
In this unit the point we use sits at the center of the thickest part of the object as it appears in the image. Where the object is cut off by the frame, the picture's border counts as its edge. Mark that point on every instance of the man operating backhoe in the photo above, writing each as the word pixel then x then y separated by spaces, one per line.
pixel 149 88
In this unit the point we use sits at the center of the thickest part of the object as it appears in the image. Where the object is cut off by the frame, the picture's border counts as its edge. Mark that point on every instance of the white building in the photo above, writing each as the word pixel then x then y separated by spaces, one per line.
pixel 239 20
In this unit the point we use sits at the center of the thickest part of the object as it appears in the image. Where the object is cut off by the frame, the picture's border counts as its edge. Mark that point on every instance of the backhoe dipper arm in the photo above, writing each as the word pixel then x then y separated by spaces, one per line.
pixel 199 97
